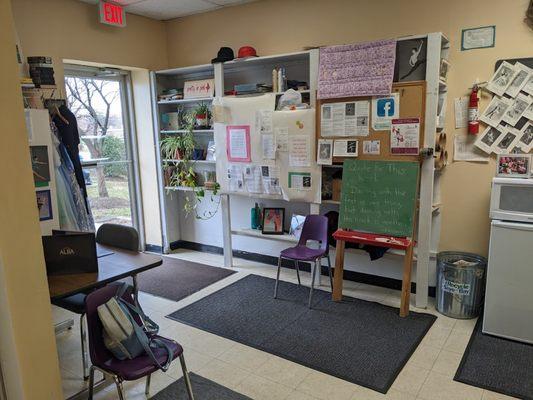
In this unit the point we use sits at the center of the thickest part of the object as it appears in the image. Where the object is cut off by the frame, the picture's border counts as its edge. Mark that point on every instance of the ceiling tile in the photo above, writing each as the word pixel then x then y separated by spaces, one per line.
pixel 168 9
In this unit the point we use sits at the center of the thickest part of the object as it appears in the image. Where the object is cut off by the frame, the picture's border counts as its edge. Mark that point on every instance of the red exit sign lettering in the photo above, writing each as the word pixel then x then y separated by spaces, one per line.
pixel 112 14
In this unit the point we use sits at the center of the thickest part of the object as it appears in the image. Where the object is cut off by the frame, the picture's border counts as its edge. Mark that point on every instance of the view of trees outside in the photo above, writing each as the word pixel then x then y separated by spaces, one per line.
pixel 97 106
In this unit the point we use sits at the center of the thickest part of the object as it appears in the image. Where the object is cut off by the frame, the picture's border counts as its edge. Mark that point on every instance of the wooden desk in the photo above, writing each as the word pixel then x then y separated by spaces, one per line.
pixel 112 267
pixel 343 236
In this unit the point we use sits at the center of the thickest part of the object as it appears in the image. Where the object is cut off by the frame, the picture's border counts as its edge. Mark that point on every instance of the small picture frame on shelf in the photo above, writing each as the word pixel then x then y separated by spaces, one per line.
pixel 513 165
pixel 273 219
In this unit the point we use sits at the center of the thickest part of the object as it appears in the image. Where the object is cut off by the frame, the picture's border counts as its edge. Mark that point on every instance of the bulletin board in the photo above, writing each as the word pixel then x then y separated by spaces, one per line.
pixel 289 172
pixel 412 104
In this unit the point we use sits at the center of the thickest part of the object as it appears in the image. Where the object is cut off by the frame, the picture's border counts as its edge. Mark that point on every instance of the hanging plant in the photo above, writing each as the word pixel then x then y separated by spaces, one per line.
pixel 183 175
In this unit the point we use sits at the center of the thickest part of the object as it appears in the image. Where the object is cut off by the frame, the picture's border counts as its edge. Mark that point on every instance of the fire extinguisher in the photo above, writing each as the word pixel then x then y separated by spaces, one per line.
pixel 473 112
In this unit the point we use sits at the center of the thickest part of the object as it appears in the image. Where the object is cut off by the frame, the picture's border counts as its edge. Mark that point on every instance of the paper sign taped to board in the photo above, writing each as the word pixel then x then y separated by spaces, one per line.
pixel 345 119
pixel 299 151
pixel 404 136
pixel 384 110
pixel 371 147
pixel 300 180
pixel 238 143
pixel 345 148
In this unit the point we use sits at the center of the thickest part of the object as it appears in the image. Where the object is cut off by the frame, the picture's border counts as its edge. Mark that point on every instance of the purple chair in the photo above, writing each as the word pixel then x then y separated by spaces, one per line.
pixel 316 229
pixel 123 370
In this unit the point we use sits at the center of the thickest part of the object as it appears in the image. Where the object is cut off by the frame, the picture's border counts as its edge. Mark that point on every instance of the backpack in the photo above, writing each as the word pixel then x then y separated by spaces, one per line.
pixel 123 336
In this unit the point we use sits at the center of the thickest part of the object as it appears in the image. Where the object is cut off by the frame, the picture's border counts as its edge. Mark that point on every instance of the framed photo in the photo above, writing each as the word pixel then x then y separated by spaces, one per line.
pixel 495 111
pixel 515 111
pixel 410 60
pixel 507 141
pixel 273 219
pixel 297 224
pixel 485 141
pixel 502 78
pixel 520 80
pixel 478 38
pixel 513 165
pixel 44 204
pixel 526 140
pixel 40 165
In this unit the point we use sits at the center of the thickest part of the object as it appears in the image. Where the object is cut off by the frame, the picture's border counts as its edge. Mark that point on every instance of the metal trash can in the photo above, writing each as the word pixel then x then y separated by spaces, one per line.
pixel 460 284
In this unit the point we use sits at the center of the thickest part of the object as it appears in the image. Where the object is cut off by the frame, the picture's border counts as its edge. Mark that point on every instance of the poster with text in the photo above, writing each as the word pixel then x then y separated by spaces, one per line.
pixel 405 136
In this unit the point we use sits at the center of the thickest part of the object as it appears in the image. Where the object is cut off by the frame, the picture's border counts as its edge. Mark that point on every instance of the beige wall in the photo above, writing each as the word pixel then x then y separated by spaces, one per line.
pixel 69 29
pixel 27 345
pixel 278 26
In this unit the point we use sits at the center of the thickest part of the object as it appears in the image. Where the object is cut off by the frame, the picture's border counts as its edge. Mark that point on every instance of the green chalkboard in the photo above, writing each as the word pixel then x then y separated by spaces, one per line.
pixel 379 196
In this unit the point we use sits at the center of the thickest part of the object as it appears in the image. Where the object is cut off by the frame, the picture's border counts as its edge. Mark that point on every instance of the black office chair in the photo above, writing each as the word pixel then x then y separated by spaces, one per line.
pixel 123 237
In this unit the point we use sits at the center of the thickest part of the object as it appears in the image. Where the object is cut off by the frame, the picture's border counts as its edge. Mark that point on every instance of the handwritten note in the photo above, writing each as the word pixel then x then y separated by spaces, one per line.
pixel 299 151
pixel 238 143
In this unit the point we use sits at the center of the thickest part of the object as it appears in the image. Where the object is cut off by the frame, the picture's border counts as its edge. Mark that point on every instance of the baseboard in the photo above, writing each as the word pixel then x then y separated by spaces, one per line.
pixel 360 277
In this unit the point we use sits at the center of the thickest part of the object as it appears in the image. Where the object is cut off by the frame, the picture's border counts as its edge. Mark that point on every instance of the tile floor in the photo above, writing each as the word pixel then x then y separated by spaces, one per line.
pixel 427 376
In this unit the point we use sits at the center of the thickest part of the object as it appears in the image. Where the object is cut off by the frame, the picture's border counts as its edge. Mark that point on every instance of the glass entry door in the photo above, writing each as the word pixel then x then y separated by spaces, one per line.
pixel 99 98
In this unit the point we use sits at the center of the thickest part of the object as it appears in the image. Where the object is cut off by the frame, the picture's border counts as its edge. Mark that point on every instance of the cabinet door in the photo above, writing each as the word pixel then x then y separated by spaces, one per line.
pixel 509 298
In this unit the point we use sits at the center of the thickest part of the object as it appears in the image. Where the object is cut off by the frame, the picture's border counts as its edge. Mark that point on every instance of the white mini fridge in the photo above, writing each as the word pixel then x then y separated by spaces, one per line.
pixel 509 292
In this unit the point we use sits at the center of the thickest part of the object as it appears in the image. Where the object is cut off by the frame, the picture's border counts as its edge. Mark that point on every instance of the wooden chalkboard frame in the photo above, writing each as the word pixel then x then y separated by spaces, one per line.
pixel 383 136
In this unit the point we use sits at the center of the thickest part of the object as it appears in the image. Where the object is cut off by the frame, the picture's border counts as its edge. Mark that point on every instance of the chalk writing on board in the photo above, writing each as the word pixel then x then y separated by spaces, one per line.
pixel 379 196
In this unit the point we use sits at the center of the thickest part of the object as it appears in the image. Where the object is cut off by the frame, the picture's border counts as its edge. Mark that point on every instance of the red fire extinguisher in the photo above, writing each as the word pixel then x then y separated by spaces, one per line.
pixel 473 112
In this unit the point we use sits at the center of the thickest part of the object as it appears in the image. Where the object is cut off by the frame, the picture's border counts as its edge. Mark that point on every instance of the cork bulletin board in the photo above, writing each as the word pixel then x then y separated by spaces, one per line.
pixel 412 104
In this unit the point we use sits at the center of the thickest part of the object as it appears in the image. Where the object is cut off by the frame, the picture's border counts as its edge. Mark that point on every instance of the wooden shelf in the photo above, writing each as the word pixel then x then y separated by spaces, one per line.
pixel 182 101
pixel 169 132
pixel 258 234
pixel 331 202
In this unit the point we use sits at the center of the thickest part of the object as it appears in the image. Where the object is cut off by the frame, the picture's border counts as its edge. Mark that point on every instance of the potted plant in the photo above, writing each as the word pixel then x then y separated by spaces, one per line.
pixel 202 114
pixel 171 147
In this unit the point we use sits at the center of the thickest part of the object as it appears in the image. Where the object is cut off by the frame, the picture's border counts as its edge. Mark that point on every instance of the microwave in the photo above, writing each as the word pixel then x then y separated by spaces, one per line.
pixel 512 199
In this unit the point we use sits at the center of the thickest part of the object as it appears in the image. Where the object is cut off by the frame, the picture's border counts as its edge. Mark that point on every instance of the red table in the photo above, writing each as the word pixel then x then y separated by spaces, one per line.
pixel 391 242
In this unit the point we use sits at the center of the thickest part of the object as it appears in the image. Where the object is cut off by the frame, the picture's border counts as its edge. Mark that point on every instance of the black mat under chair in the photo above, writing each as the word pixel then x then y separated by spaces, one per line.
pixel 176 279
pixel 497 364
pixel 359 341
pixel 203 389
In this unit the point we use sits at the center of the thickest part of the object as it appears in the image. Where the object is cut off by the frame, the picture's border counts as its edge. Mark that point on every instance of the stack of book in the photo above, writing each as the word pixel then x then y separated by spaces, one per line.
pixel 41 71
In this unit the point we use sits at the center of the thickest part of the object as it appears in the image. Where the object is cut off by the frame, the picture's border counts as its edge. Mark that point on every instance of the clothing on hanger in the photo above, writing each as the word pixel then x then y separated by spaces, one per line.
pixel 67 127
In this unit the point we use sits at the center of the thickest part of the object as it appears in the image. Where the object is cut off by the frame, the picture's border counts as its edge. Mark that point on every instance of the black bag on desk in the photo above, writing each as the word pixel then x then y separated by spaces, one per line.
pixel 70 253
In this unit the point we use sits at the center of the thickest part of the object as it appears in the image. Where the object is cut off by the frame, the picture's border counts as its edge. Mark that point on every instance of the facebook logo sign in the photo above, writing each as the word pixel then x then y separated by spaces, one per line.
pixel 385 107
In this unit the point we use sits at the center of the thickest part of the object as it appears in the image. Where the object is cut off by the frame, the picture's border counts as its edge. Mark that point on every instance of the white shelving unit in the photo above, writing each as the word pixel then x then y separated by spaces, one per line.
pixel 301 66
pixel 169 196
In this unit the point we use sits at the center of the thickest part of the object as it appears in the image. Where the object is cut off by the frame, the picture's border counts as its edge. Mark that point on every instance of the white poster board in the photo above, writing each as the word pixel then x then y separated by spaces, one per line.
pixel 282 148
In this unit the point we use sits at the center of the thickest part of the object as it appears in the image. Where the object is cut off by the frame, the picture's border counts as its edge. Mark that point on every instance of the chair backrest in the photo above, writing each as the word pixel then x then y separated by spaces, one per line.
pixel 97 349
pixel 124 237
pixel 315 228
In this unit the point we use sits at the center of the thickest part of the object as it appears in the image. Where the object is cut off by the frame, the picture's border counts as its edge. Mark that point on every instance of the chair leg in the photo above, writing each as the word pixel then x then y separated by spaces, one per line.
pixel 277 279
pixel 148 381
pixel 330 274
pixel 120 388
pixel 313 273
pixel 186 377
pixel 297 266
pixel 91 383
pixel 83 335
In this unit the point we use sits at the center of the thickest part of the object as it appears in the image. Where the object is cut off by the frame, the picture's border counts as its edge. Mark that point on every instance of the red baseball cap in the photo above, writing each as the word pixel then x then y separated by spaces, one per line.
pixel 246 52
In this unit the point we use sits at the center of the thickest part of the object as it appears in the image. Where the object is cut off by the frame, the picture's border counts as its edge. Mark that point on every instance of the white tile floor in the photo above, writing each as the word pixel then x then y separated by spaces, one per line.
pixel 428 375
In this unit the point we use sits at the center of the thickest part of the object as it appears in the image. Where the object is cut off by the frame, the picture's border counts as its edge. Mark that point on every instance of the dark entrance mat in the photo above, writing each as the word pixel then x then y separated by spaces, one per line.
pixel 203 389
pixel 497 364
pixel 362 342
pixel 176 279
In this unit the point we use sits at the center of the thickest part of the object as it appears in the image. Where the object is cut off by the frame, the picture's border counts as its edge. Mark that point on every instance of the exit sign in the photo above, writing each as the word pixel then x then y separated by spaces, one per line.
pixel 112 14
